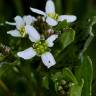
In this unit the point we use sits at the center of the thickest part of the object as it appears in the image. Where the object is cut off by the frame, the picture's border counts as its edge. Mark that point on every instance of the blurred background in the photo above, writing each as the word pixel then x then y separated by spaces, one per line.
pixel 83 9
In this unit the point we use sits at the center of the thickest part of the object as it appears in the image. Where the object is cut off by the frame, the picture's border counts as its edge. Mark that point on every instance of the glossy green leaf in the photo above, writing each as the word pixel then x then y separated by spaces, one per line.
pixel 76 88
pixel 86 72
pixel 89 30
pixel 67 37
pixel 61 26
pixel 68 75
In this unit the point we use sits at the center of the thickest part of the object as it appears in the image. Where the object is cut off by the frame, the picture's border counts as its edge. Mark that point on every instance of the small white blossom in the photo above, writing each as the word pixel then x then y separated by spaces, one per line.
pixel 39 48
pixel 21 23
pixel 52 18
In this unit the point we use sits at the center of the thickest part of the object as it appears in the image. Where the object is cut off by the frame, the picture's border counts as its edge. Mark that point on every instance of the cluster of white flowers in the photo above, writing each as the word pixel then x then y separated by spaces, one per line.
pixel 24 26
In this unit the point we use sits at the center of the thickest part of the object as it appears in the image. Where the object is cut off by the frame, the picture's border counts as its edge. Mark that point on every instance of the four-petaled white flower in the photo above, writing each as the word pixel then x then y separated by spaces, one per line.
pixel 52 18
pixel 39 47
pixel 20 23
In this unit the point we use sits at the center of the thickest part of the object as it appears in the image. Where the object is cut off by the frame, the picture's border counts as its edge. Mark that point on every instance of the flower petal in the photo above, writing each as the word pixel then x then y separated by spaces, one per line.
pixel 10 23
pixel 48 59
pixel 50 7
pixel 51 21
pixel 51 39
pixel 29 19
pixel 19 22
pixel 27 54
pixel 14 33
pixel 69 18
pixel 34 36
pixel 38 11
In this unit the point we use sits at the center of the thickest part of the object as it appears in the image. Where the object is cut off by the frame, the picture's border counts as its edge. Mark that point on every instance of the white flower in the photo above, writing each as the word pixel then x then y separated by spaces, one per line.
pixel 39 48
pixel 20 23
pixel 51 17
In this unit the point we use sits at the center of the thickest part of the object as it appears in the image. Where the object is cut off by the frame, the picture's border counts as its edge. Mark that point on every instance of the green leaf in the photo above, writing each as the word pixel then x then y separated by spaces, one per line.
pixel 91 22
pixel 57 76
pixel 5 66
pixel 85 71
pixel 65 39
pixel 61 26
pixel 65 74
pixel 68 75
pixel 76 88
pixel 45 82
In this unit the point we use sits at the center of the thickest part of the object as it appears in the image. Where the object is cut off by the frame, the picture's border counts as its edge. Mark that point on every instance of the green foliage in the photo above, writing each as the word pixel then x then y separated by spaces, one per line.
pixel 66 38
pixel 68 75
pixel 85 71
pixel 76 88
pixel 73 73
pixel 89 30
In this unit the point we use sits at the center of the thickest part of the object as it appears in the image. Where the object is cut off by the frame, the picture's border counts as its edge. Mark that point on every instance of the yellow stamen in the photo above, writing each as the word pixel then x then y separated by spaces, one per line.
pixel 53 15
pixel 22 31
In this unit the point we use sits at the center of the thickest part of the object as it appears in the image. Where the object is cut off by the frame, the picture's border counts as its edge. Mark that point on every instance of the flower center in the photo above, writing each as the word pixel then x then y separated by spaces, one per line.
pixel 22 31
pixel 40 47
pixel 53 15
